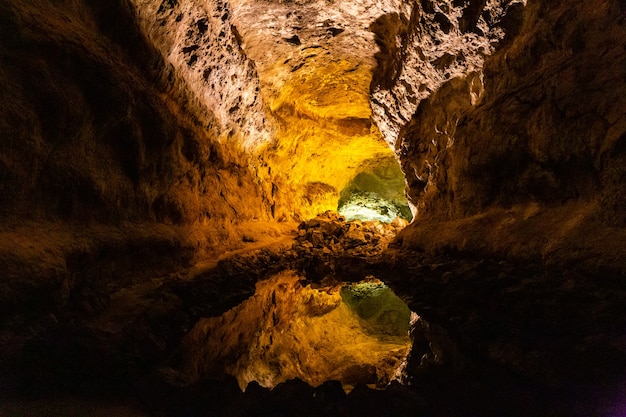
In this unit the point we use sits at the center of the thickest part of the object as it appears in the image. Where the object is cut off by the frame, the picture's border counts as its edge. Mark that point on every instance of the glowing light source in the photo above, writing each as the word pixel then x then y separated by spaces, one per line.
pixel 369 206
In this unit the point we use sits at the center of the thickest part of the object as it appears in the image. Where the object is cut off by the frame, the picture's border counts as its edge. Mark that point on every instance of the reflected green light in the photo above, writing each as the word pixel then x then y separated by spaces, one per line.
pixel 375 193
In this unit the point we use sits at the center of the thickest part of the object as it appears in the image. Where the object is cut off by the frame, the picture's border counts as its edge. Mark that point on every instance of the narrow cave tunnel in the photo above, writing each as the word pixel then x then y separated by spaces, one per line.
pixel 376 193
pixel 312 208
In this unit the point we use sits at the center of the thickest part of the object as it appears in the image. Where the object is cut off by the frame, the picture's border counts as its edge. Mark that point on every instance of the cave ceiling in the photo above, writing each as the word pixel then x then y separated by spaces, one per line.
pixel 316 93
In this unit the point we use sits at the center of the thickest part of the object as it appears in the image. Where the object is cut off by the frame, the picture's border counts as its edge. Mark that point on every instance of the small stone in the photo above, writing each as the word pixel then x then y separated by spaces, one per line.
pixel 317 238
pixel 355 237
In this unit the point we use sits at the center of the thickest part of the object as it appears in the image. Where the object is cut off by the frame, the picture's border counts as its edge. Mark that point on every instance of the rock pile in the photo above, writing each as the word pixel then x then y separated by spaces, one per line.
pixel 330 234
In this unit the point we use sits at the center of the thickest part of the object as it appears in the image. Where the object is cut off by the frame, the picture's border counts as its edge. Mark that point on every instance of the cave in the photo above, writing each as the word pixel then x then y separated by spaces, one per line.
pixel 312 208
pixel 376 193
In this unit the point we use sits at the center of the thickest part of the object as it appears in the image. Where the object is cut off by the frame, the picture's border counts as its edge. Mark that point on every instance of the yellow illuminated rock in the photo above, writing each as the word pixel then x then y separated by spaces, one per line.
pixel 315 70
pixel 324 134
pixel 155 154
pixel 287 330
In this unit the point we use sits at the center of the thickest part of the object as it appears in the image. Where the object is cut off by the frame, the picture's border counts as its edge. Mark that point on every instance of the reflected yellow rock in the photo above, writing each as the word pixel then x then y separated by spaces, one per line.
pixel 288 331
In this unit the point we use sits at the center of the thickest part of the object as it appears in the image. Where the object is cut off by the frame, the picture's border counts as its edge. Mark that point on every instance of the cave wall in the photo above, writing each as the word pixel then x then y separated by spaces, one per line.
pixel 517 134
pixel 514 162
pixel 424 45
pixel 122 158
pixel 110 169
pixel 314 59
pixel 203 49
pixel 93 130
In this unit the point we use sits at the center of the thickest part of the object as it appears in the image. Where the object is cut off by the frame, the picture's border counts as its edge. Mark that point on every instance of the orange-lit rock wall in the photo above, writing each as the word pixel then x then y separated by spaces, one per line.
pixel 105 156
pixel 138 137
pixel 314 61
pixel 206 65
pixel 92 130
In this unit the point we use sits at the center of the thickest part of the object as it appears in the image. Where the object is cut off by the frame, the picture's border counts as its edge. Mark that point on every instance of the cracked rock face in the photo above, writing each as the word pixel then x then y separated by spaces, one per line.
pixel 495 106
pixel 426 44
pixel 198 40
pixel 99 127
pixel 287 81
pixel 140 135
pixel 314 60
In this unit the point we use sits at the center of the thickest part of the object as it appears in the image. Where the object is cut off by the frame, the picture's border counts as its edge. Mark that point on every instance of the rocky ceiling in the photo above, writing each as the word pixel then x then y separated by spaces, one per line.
pixel 321 91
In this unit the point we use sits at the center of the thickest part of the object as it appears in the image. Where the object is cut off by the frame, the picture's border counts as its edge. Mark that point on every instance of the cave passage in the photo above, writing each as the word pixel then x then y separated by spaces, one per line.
pixel 326 153
pixel 349 332
pixel 164 164
pixel 376 193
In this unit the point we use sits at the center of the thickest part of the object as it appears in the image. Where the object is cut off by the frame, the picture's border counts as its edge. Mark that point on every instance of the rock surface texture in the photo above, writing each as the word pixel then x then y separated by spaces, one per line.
pixel 314 60
pixel 502 114
pixel 424 45
pixel 105 155
pixel 203 50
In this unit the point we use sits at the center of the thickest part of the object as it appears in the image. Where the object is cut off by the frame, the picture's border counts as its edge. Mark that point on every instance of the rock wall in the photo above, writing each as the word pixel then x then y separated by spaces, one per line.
pixel 207 66
pixel 514 162
pixel 496 143
pixel 423 45
pixel 109 168
pixel 314 60
pixel 92 130
pixel 288 330
pixel 120 161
